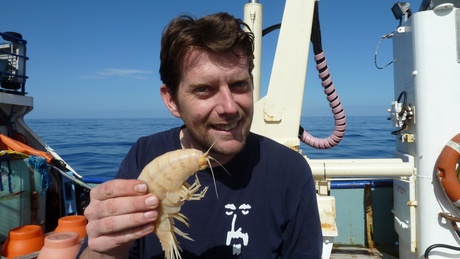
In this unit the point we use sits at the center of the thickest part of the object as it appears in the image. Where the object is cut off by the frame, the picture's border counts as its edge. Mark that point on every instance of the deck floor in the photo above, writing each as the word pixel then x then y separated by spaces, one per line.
pixel 342 252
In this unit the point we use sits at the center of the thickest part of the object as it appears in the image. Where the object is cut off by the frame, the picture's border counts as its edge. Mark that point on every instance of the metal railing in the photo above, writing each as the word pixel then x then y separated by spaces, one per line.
pixel 13 63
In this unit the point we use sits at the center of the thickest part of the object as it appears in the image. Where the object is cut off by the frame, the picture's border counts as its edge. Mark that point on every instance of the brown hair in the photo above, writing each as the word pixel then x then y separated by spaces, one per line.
pixel 219 33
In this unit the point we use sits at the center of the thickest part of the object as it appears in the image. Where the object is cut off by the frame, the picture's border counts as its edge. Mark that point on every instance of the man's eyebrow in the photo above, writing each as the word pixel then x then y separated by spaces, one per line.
pixel 241 78
pixel 195 85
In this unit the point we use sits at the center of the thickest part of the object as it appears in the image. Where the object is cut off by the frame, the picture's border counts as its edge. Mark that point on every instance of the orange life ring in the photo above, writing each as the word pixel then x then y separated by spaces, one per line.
pixel 446 169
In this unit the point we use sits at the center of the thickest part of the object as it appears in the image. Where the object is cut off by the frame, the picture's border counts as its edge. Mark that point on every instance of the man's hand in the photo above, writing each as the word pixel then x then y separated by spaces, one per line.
pixel 120 211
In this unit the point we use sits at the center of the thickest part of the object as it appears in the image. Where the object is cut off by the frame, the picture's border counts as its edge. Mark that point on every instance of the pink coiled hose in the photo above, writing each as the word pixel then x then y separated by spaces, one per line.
pixel 340 123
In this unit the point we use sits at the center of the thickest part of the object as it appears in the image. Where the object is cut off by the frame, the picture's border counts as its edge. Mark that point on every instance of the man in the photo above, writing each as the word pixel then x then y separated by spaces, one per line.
pixel 266 205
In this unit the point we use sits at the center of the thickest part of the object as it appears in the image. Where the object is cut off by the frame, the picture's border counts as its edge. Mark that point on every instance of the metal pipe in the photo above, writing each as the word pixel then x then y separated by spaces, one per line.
pixel 253 15
pixel 369 168
pixel 359 184
pixel 96 180
pixel 73 179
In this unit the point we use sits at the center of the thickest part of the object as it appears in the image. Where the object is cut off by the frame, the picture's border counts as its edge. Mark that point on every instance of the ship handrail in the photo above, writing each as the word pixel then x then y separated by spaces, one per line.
pixel 14 54
pixel 23 41
pixel 14 75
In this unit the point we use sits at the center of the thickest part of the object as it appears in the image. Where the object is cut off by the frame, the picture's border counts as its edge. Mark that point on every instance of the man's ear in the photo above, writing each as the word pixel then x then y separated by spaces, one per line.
pixel 169 101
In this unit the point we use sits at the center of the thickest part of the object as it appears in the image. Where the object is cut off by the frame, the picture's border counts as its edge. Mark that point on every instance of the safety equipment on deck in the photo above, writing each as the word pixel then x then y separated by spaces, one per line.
pixel 446 169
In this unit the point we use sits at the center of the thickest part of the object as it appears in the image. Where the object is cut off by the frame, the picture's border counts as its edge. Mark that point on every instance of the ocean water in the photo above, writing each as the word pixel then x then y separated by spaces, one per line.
pixel 96 147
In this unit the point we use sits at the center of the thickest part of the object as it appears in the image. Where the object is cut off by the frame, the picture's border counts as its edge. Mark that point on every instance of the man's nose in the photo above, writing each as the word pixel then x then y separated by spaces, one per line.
pixel 227 103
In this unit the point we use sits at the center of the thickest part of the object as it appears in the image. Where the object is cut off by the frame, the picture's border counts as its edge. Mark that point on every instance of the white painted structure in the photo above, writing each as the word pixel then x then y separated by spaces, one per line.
pixel 426 88
pixel 427 68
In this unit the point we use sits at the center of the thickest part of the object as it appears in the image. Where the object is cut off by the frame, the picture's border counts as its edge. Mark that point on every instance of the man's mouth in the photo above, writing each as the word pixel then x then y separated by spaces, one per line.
pixel 226 127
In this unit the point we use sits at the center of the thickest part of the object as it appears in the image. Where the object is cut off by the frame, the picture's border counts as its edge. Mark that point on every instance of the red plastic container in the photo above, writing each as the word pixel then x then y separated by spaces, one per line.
pixel 73 223
pixel 23 240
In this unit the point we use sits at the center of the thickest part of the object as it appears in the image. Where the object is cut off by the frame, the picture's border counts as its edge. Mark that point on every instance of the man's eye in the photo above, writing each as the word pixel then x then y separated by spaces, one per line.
pixel 201 89
pixel 240 86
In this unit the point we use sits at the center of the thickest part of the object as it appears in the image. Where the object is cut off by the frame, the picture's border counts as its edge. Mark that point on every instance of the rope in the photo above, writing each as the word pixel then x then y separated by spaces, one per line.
pixel 10 174
pixel 41 166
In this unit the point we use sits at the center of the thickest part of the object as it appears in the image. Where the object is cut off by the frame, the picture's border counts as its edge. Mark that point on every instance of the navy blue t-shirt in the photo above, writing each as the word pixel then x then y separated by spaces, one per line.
pixel 266 205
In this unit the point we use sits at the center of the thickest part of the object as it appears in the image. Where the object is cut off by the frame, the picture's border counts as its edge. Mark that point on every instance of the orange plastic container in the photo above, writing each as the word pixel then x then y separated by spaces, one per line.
pixel 23 240
pixel 73 223
pixel 60 245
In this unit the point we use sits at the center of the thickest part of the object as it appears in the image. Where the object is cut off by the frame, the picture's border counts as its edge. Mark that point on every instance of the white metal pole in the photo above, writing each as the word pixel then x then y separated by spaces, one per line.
pixel 253 14
pixel 370 168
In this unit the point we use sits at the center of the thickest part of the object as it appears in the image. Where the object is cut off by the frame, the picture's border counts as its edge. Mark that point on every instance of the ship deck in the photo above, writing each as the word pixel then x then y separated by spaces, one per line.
pixel 356 252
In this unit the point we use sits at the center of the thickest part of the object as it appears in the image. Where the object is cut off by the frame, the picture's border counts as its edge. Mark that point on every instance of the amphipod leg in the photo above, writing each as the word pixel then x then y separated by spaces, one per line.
pixel 189 191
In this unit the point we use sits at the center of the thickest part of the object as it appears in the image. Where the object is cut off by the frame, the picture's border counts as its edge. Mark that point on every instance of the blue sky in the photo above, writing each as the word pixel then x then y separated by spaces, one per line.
pixel 100 59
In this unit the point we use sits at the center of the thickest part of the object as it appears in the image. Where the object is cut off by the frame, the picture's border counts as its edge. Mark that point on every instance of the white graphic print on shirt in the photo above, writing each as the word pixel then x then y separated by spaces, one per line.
pixel 236 237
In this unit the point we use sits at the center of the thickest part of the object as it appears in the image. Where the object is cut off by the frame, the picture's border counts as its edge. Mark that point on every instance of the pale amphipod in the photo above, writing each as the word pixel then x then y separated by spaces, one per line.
pixel 166 177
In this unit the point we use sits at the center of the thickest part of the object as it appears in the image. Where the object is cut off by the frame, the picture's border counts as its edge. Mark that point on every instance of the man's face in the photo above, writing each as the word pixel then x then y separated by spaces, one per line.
pixel 215 101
